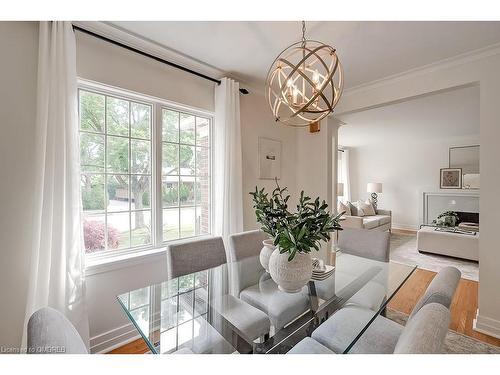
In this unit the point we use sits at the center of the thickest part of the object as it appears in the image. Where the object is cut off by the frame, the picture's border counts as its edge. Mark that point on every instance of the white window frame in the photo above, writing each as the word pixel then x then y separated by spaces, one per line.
pixel 157 105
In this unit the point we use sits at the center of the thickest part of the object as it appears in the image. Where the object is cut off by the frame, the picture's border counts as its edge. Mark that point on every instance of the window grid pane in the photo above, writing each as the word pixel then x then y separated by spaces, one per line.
pixel 115 148
pixel 186 176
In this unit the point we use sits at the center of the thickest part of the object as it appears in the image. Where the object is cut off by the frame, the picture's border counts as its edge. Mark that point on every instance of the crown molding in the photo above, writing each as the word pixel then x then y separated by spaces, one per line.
pixel 450 62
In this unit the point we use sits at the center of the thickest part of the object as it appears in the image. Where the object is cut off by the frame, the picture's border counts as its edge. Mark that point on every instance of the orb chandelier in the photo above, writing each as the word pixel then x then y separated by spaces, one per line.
pixel 304 83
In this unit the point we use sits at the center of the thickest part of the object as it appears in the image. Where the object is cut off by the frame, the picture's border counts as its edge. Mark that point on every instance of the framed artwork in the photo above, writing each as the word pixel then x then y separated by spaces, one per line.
pixel 269 158
pixel 450 178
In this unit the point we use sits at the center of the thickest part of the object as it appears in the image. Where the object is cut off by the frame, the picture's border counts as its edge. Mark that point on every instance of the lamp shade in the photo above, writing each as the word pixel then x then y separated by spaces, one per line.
pixel 340 189
pixel 374 187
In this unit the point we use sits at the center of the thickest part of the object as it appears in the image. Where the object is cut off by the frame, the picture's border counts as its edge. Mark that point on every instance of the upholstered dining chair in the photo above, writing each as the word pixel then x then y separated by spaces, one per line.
pixel 384 335
pixel 50 332
pixel 368 244
pixel 423 334
pixel 198 255
pixel 254 286
pixel 371 244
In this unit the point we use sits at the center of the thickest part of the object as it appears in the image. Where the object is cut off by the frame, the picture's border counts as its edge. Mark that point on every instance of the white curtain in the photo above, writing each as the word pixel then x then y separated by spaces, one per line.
pixel 57 260
pixel 228 198
pixel 345 175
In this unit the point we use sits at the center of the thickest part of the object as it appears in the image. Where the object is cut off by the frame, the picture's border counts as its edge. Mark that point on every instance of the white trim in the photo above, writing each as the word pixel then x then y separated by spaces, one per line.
pixel 113 339
pixel 450 62
pixel 133 95
pixel 105 264
pixel 486 325
pixel 449 193
pixel 405 227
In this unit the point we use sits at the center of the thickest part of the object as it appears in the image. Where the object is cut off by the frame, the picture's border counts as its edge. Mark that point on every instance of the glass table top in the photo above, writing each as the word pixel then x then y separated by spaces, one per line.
pixel 187 314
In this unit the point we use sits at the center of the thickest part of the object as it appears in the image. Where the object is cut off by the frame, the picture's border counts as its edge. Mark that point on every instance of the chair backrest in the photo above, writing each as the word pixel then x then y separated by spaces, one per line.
pixel 244 251
pixel 50 332
pixel 372 244
pixel 194 256
pixel 246 244
pixel 441 289
pixel 426 332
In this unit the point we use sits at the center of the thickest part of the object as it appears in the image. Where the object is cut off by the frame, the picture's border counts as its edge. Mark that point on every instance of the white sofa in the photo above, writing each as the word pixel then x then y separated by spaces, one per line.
pixel 381 221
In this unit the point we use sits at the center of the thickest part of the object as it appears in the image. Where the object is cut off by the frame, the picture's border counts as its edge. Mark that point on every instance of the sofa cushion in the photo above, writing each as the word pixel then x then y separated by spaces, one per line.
pixel 370 222
pixel 383 219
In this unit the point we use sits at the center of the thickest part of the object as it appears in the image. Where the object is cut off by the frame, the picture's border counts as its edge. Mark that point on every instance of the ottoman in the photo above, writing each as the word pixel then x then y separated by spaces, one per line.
pixel 458 245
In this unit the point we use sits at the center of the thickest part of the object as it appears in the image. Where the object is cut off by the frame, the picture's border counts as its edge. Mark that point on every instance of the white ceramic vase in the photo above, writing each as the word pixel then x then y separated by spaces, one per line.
pixel 290 276
pixel 266 252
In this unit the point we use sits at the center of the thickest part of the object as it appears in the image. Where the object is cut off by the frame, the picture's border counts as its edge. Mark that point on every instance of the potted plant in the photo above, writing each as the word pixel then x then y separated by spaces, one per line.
pixel 270 212
pixel 446 219
pixel 295 236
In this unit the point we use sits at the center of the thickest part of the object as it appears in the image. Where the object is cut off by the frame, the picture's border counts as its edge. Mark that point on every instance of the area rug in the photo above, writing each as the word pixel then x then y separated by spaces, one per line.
pixel 455 343
pixel 404 250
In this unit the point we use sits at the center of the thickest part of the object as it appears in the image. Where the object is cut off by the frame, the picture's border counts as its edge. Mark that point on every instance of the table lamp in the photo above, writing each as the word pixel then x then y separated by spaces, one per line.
pixel 374 188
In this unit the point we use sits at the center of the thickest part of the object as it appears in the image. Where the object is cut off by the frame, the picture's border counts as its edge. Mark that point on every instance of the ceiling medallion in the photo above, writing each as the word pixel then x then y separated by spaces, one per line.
pixel 304 83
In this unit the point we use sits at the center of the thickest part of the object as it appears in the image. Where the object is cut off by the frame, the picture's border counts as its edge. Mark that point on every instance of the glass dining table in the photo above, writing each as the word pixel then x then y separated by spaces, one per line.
pixel 184 314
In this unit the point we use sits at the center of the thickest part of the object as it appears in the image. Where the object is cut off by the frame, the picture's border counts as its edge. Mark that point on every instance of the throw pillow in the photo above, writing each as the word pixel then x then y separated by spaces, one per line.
pixel 368 208
pixel 356 209
pixel 352 208
pixel 344 207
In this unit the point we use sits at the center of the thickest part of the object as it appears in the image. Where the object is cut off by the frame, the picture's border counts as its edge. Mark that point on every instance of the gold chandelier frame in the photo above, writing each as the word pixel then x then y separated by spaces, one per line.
pixel 318 70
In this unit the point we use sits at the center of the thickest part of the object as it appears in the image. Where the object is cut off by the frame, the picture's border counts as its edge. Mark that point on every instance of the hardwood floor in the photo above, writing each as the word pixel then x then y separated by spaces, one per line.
pixel 463 309
pixel 135 347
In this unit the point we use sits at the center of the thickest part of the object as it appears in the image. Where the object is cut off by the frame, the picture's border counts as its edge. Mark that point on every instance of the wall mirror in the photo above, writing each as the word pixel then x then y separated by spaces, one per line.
pixel 467 158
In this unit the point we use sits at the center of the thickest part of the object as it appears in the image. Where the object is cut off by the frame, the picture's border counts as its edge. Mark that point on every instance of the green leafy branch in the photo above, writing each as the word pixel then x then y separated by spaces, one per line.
pixel 298 232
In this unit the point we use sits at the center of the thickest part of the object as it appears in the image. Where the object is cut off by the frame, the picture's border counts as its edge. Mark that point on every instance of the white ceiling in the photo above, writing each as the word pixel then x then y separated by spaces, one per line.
pixel 444 115
pixel 368 50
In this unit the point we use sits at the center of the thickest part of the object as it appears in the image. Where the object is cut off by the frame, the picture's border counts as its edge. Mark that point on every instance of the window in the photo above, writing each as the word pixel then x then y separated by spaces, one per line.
pixel 185 174
pixel 128 193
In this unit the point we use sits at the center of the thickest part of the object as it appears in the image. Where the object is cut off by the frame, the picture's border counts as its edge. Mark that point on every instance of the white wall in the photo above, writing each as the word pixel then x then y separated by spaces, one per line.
pixel 482 69
pixel 316 164
pixel 406 170
pixel 257 121
pixel 104 62
pixel 19 46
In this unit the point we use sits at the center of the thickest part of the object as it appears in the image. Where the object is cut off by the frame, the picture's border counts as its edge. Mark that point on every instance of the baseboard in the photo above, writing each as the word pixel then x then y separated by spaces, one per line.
pixel 488 326
pixel 113 339
pixel 411 228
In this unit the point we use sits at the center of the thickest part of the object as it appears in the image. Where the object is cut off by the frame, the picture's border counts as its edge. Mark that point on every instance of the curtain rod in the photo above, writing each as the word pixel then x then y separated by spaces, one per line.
pixel 169 63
